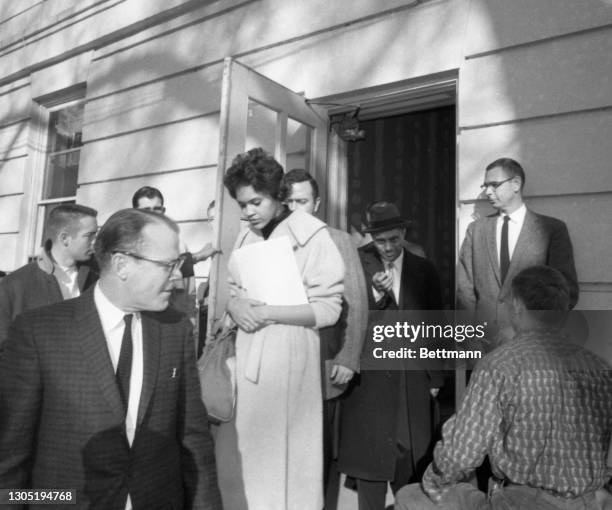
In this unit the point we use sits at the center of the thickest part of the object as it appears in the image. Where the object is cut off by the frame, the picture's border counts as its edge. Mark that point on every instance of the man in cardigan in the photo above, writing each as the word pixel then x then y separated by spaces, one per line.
pixel 341 343
pixel 63 270
pixel 100 393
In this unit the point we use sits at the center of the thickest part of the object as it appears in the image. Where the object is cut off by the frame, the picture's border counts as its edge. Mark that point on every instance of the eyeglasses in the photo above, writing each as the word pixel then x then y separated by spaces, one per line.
pixel 158 209
pixel 171 265
pixel 494 184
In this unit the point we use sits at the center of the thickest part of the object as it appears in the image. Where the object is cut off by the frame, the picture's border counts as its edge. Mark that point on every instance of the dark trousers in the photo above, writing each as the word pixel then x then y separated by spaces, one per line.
pixel 330 411
pixel 371 493
pixel 331 476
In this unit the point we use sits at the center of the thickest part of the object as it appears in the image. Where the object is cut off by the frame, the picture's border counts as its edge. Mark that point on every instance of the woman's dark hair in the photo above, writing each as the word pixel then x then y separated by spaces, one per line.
pixel 254 168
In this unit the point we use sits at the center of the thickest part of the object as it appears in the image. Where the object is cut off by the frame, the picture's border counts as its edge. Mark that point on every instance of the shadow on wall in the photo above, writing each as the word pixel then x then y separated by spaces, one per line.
pixel 519 99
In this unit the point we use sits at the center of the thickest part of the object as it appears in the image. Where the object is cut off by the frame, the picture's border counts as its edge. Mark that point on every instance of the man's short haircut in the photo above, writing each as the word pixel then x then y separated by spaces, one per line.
pixel 254 168
pixel 64 217
pixel 298 175
pixel 123 232
pixel 146 192
pixel 511 167
pixel 544 291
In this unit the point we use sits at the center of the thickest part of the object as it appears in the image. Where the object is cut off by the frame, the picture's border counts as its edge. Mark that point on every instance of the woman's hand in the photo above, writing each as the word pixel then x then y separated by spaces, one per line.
pixel 248 314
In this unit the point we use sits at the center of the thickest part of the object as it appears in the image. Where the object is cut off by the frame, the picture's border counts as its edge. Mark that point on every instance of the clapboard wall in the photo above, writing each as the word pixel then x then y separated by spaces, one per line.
pixel 533 82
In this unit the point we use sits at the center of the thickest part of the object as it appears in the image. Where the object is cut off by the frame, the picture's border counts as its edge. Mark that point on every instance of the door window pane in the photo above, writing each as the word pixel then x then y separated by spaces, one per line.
pixel 261 127
pixel 299 138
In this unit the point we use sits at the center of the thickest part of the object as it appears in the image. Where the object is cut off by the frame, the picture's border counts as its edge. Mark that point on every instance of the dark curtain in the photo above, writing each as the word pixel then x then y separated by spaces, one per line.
pixel 410 160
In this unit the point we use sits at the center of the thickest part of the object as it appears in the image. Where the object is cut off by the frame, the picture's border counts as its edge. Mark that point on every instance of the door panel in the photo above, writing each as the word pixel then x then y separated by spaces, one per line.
pixel 258 112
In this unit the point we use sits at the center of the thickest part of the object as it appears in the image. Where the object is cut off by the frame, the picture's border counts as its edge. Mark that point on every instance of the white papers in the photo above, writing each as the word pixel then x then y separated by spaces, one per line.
pixel 269 273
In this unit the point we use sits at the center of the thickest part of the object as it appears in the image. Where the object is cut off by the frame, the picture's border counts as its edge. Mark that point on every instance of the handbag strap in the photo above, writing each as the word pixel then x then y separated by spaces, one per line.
pixel 225 326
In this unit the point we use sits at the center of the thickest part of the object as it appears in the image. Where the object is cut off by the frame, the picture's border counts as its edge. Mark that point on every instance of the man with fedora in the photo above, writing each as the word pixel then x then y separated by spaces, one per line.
pixel 386 424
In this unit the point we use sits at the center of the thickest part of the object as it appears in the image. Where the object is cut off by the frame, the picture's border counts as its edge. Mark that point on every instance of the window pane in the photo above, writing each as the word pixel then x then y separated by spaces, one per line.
pixel 298 145
pixel 65 128
pixel 261 127
pixel 61 175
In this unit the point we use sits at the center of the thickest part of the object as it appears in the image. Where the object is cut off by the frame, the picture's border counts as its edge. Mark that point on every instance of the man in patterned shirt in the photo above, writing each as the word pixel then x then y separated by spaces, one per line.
pixel 539 406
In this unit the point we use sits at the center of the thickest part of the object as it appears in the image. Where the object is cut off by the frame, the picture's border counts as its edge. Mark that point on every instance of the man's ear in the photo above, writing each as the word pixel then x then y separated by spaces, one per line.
pixel 119 265
pixel 317 203
pixel 64 237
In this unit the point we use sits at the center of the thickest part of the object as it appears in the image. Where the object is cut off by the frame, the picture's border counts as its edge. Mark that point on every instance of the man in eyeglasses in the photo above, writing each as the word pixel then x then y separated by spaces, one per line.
pixel 151 199
pixel 100 394
pixel 498 247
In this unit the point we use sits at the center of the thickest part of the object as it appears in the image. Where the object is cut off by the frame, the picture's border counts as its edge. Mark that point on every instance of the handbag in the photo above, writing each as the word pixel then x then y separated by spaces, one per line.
pixel 217 371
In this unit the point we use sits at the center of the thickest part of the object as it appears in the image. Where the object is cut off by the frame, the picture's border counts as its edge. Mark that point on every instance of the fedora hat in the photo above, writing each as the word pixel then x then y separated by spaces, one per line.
pixel 383 216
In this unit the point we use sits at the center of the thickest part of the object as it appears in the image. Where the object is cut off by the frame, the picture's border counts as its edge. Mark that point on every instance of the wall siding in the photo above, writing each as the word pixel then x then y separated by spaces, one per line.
pixel 533 83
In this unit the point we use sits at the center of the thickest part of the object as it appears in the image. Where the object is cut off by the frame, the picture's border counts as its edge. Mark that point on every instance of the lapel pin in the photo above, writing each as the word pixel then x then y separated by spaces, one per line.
pixel 173 373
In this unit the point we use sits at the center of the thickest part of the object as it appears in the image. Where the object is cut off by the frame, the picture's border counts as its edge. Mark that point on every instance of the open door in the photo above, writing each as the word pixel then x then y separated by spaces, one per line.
pixel 258 112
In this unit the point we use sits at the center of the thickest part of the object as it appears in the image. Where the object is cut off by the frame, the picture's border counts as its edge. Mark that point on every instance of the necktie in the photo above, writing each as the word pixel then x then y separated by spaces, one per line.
pixel 389 269
pixel 504 251
pixel 124 366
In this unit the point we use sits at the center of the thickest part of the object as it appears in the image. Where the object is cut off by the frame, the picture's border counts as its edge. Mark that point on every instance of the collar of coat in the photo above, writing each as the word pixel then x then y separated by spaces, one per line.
pixel 46 262
pixel 301 225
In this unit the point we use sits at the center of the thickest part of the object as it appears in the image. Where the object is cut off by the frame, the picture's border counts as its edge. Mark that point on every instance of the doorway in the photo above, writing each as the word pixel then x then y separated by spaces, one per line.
pixel 407 155
pixel 409 159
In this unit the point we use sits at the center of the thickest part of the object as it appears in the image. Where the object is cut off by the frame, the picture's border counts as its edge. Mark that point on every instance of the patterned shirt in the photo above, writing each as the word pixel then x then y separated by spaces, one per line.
pixel 541 408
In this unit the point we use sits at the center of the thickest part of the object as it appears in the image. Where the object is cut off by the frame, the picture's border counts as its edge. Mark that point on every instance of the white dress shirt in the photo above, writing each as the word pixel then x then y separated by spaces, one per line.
pixel 394 269
pixel 67 279
pixel 515 224
pixel 113 326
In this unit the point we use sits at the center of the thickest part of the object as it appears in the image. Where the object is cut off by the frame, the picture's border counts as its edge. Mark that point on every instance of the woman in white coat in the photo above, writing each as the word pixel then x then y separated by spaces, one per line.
pixel 277 428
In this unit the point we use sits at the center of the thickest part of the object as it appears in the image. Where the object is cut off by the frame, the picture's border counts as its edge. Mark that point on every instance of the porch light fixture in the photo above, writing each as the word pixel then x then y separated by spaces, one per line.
pixel 346 125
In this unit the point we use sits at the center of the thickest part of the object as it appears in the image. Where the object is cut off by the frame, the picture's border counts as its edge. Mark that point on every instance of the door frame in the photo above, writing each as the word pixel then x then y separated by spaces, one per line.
pixel 378 102
pixel 240 85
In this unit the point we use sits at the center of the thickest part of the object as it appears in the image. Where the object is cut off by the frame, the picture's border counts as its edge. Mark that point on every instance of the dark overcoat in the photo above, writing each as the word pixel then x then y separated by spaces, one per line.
pixel 369 418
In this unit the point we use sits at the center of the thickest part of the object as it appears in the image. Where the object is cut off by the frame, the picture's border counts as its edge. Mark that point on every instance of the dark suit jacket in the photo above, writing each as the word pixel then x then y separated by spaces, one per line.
pixel 371 409
pixel 33 286
pixel 61 418
pixel 542 240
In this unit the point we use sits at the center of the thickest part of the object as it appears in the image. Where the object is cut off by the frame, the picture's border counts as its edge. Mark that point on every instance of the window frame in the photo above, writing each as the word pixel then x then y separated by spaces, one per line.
pixel 33 206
